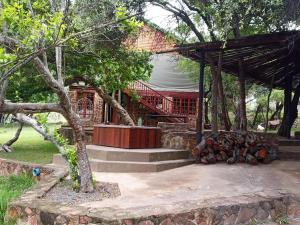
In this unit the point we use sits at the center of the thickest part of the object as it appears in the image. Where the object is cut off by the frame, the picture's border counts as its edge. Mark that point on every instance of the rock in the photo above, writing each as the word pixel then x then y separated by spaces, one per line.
pixel 246 214
pixel 146 222
pixel 28 211
pixel 84 219
pixel 167 222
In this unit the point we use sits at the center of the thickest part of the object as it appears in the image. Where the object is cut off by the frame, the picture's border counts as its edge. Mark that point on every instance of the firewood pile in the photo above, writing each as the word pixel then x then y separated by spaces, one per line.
pixel 234 147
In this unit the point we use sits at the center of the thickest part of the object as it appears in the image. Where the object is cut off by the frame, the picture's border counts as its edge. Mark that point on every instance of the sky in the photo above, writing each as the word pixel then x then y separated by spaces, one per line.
pixel 159 16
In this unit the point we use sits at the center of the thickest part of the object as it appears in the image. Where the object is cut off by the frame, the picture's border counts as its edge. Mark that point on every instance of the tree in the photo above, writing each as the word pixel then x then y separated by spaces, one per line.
pixel 39 29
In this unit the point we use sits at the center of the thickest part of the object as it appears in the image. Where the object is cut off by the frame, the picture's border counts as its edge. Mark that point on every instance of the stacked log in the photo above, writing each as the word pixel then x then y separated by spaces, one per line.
pixel 234 147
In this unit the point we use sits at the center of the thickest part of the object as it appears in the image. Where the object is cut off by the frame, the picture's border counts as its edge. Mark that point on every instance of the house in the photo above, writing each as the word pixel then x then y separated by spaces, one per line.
pixel 170 95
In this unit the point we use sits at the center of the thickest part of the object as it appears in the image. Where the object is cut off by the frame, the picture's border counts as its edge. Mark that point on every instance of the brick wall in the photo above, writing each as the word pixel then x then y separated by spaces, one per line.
pixel 150 39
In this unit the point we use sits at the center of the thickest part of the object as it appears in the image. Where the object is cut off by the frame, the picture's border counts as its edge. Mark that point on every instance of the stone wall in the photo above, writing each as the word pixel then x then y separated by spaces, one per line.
pixel 181 136
pixel 226 211
pixel 98 104
pixel 177 136
pixel 98 109
pixel 9 167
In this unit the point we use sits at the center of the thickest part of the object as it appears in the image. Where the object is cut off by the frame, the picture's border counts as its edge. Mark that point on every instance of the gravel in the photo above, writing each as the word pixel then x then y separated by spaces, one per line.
pixel 63 193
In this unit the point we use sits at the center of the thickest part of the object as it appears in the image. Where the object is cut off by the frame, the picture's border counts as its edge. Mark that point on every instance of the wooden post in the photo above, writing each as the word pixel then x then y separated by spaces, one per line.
pixel 201 97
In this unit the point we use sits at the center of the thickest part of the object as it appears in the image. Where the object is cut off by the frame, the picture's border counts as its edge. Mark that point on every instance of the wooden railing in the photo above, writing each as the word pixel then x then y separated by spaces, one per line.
pixel 153 99
pixel 164 106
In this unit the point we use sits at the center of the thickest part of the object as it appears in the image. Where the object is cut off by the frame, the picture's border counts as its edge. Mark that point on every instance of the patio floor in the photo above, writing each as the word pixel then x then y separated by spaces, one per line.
pixel 200 182
pixel 186 188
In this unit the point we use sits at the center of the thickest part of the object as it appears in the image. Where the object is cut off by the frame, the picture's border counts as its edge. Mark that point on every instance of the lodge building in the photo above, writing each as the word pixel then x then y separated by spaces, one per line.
pixel 169 96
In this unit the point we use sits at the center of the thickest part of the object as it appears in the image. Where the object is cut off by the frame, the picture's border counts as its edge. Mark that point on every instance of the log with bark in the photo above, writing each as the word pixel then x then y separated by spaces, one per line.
pixel 234 147
pixel 7 147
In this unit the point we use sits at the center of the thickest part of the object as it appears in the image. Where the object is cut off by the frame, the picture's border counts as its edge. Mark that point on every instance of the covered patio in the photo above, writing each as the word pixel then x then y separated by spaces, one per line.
pixel 271 60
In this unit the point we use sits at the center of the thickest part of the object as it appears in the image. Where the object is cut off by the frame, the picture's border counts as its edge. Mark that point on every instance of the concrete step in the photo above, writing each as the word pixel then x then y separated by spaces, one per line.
pixel 136 167
pixel 135 155
pixel 289 142
pixel 107 159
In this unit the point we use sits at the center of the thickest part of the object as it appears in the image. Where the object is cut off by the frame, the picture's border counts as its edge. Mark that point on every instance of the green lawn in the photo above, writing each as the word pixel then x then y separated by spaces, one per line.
pixel 31 147
pixel 12 187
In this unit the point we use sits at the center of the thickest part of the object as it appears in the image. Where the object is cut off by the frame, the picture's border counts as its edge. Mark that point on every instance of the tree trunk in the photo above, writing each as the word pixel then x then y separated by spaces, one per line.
pixel 277 111
pixel 224 114
pixel 291 112
pixel 86 181
pixel 258 109
pixel 214 100
pixel 242 98
pixel 86 178
pixel 241 78
pixel 206 119
pixel 124 116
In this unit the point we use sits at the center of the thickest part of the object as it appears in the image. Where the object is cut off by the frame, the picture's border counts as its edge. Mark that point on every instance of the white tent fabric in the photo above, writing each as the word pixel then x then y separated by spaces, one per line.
pixel 167 77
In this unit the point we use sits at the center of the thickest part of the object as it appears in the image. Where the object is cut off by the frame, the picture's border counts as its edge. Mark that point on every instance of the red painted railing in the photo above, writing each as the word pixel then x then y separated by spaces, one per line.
pixel 159 103
pixel 152 99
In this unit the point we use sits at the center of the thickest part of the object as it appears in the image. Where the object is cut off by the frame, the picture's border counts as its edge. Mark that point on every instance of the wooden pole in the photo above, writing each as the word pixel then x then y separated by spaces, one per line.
pixel 201 97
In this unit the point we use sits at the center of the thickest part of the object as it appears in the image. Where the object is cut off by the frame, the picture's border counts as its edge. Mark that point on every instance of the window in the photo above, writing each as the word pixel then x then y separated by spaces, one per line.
pixel 185 106
pixel 85 105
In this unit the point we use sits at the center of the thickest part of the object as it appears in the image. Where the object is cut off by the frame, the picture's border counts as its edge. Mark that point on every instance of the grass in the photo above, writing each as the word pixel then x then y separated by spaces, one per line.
pixel 12 187
pixel 31 146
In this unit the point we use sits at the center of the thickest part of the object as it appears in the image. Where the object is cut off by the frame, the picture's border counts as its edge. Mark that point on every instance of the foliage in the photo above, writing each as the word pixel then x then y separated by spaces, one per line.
pixel 99 55
pixel 42 119
pixel 134 95
pixel 71 156
pixel 12 187
pixel 282 220
pixel 73 167
pixel 31 25
pixel 111 68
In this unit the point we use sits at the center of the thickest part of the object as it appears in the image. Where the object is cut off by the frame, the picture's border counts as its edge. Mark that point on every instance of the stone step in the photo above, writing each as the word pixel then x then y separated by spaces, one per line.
pixel 289 142
pixel 137 167
pixel 289 152
pixel 135 155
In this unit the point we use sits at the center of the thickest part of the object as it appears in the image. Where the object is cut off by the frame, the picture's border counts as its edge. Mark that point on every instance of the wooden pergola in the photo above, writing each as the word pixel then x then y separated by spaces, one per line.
pixel 272 60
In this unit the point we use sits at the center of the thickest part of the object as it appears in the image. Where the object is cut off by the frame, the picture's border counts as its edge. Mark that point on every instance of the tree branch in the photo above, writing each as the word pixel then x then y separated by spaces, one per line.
pixel 30 108
pixel 180 13
pixel 23 119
